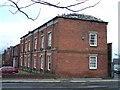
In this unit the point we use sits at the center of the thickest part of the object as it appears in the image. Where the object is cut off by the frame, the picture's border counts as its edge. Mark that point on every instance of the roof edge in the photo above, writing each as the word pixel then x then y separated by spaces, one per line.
pixel 56 17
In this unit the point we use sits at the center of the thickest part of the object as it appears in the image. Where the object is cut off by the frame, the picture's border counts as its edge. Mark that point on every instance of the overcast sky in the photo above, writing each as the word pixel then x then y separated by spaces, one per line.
pixel 12 27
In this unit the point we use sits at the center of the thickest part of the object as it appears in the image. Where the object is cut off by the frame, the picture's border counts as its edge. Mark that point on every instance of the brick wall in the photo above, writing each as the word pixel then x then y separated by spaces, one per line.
pixel 16 56
pixel 74 51
pixel 70 48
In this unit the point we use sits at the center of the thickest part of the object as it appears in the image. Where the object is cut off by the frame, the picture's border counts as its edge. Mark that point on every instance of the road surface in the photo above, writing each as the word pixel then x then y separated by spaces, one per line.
pixel 114 85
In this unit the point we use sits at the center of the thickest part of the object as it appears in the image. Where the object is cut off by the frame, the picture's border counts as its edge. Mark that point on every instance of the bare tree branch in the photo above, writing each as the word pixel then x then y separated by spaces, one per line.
pixel 63 7
pixel 13 12
pixel 8 6
pixel 67 7
pixel 28 5
pixel 18 1
pixel 19 9
pixel 5 4
pixel 77 3
pixel 85 7
pixel 43 2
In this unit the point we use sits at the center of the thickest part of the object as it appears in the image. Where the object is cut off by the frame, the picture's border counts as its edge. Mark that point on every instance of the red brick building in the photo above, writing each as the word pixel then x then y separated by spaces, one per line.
pixel 16 55
pixel 72 45
pixel 7 57
pixel 11 56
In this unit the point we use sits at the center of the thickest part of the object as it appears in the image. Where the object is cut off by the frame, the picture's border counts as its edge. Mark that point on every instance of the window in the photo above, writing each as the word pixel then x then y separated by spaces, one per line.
pixel 25 46
pixel 25 64
pixel 21 47
pixel 93 39
pixel 42 62
pixel 34 60
pixel 35 44
pixel 49 62
pixel 21 59
pixel 92 62
pixel 29 46
pixel 49 39
pixel 28 60
pixel 42 41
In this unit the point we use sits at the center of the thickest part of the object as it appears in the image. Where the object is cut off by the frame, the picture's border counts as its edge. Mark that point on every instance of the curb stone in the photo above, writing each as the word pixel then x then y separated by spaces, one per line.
pixel 80 80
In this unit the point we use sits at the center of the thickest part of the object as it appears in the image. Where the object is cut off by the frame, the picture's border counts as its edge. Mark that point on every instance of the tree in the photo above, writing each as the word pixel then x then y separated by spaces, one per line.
pixel 70 7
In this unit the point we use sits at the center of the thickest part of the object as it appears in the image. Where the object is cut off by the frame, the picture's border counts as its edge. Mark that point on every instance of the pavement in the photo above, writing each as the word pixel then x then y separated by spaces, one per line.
pixel 80 80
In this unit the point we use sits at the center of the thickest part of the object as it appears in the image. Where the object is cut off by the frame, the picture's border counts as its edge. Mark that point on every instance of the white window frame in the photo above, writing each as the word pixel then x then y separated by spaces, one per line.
pixel 41 62
pixel 29 45
pixel 25 61
pixel 42 41
pixel 35 43
pixel 35 61
pixel 93 62
pixel 29 60
pixel 94 40
pixel 21 59
pixel 26 46
pixel 21 47
pixel 50 39
pixel 49 62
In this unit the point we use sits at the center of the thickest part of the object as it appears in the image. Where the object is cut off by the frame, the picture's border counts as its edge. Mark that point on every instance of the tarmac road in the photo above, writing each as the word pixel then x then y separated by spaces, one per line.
pixel 114 85
pixel 62 84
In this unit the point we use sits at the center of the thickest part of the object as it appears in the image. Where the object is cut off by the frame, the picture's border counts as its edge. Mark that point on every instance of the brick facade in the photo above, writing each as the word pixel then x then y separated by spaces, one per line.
pixel 67 46
pixel 16 55
pixel 7 57
pixel 61 46
pixel 74 51
pixel 11 56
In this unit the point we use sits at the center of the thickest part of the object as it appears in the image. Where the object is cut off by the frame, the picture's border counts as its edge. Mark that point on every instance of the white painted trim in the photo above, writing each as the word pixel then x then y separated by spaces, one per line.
pixel 93 54
pixel 42 61
pixel 51 37
pixel 93 32
pixel 34 61
pixel 49 54
pixel 28 60
pixel 36 31
pixel 52 22
pixel 48 24
pixel 96 38
pixel 42 36
pixel 42 28
pixel 49 32
pixel 41 55
pixel 48 62
pixel 95 62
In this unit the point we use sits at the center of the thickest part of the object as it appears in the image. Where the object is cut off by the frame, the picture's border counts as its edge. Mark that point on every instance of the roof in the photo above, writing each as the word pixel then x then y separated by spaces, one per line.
pixel 81 17
pixel 73 16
